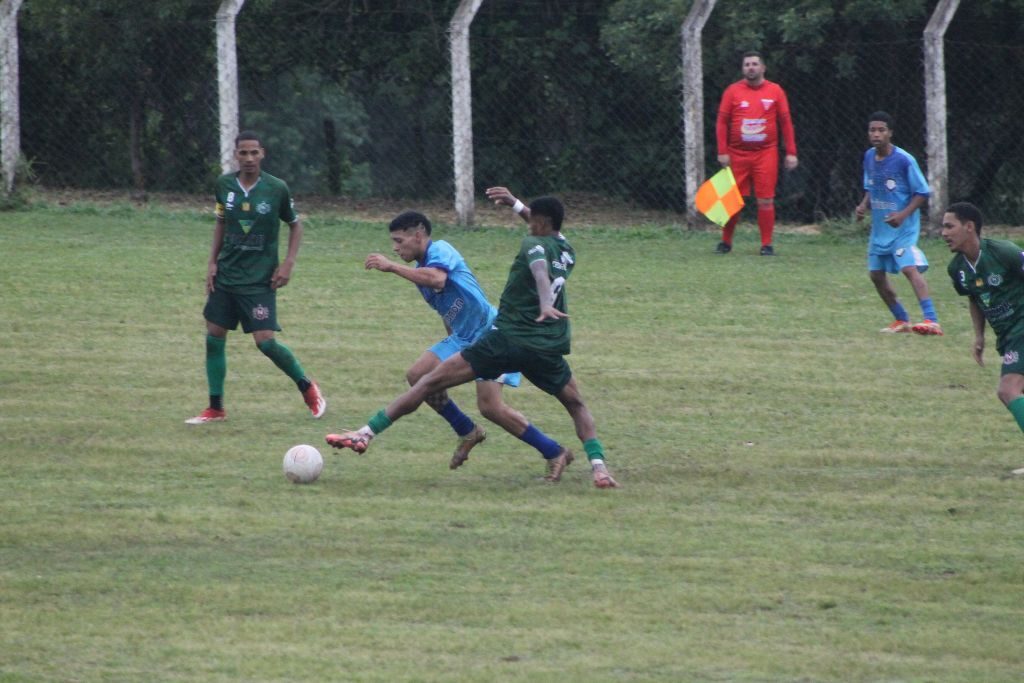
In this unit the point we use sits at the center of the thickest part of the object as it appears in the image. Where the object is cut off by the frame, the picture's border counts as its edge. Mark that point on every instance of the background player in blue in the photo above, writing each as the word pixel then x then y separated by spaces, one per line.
pixel 450 288
pixel 990 273
pixel 895 190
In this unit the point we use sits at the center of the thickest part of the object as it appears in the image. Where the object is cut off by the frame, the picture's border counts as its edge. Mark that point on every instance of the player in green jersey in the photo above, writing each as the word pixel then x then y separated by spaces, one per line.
pixel 530 335
pixel 243 273
pixel 991 274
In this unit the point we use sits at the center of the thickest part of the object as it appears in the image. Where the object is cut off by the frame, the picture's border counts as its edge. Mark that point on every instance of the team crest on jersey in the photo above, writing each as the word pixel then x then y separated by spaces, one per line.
pixel 263 208
pixel 995 279
pixel 767 104
pixel 1011 358
pixel 890 184
pixel 260 312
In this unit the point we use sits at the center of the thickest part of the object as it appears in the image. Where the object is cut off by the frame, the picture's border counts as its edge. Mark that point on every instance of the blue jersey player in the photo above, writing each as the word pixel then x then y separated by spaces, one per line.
pixel 895 190
pixel 450 288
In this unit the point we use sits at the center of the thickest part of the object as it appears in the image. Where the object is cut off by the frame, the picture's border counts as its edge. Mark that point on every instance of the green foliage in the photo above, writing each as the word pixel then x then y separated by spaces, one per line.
pixel 585 99
pixel 803 499
pixel 291 113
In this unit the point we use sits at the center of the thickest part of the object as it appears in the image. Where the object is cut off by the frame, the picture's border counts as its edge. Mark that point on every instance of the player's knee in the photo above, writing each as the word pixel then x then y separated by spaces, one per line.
pixel 490 410
pixel 1007 394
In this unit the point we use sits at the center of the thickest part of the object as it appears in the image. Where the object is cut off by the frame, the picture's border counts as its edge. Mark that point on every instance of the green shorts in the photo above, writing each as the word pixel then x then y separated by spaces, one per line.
pixel 255 311
pixel 1013 357
pixel 494 354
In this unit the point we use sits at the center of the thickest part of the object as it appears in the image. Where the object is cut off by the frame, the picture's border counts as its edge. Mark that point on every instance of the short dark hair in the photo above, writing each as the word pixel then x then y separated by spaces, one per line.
pixel 550 207
pixel 965 211
pixel 752 53
pixel 409 220
pixel 247 135
pixel 882 116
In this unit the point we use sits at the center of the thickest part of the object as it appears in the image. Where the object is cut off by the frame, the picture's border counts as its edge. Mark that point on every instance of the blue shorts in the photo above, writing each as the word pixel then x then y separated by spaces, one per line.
pixel 449 346
pixel 897 260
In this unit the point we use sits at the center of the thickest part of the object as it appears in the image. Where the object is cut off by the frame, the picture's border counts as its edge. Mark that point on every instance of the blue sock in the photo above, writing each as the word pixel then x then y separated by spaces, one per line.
pixel 541 441
pixel 459 421
pixel 899 312
pixel 928 310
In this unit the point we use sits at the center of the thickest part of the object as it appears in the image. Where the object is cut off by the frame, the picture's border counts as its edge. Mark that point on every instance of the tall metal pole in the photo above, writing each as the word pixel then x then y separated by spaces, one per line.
pixel 462 110
pixel 227 81
pixel 10 112
pixel 693 102
pixel 935 110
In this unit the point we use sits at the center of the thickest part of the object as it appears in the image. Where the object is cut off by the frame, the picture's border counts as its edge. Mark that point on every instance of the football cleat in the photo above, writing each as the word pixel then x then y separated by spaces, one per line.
pixel 767 250
pixel 557 465
pixel 928 327
pixel 896 327
pixel 315 400
pixel 723 248
pixel 465 445
pixel 602 479
pixel 356 441
pixel 208 415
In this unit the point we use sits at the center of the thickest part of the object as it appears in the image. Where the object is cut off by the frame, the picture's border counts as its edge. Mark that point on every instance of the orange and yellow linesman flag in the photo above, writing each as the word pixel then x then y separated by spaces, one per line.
pixel 719 197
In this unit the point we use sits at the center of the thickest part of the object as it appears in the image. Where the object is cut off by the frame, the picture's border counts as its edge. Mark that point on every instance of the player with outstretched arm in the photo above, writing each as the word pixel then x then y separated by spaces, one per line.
pixel 531 335
pixel 448 286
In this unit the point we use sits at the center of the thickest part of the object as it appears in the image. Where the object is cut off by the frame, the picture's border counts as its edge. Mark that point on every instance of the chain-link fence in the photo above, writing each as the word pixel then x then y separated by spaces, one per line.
pixel 358 104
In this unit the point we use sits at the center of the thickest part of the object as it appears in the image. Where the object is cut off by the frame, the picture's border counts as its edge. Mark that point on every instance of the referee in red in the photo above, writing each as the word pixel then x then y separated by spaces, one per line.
pixel 752 114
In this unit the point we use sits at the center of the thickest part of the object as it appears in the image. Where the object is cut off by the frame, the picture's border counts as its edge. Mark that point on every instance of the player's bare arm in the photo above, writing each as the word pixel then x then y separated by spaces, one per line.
pixel 978 323
pixel 862 208
pixel 896 219
pixel 546 294
pixel 502 195
pixel 434 278
pixel 283 273
pixel 218 241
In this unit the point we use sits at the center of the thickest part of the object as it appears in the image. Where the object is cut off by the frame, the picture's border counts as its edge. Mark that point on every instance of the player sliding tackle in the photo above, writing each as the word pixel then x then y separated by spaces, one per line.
pixel 531 335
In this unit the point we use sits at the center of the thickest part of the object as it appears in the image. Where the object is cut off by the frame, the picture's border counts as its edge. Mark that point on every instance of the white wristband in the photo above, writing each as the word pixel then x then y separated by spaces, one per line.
pixel 518 206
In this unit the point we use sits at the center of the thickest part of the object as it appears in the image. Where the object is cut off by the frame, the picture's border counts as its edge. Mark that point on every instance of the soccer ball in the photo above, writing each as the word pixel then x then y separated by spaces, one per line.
pixel 303 464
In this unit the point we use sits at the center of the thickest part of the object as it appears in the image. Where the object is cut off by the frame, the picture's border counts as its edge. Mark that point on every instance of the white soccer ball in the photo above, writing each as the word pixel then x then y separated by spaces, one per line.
pixel 303 464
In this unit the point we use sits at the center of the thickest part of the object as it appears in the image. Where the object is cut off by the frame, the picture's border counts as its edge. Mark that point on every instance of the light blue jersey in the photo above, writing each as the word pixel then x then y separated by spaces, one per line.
pixel 892 182
pixel 461 303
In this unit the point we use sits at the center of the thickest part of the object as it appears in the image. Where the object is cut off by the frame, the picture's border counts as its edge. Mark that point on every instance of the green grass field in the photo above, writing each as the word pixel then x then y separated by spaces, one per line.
pixel 803 499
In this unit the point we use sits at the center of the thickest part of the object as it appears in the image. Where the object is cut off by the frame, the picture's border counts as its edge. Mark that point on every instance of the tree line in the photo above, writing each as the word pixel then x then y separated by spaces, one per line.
pixel 580 96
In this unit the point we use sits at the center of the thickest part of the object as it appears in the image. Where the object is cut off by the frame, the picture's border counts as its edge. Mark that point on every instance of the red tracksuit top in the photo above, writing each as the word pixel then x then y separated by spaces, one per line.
pixel 749 118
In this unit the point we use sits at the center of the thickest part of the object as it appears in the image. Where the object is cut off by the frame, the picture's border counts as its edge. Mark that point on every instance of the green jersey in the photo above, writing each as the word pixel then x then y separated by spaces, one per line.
pixel 252 221
pixel 519 307
pixel 996 284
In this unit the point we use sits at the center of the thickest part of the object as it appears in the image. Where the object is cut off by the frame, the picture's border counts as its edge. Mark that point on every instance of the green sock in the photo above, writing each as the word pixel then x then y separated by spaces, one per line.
pixel 594 449
pixel 283 358
pixel 216 364
pixel 379 422
pixel 1017 409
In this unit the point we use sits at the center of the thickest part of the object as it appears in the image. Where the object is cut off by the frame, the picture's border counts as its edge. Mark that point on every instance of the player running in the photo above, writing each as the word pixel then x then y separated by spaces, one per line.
pixel 449 287
pixel 530 335
pixel 895 190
